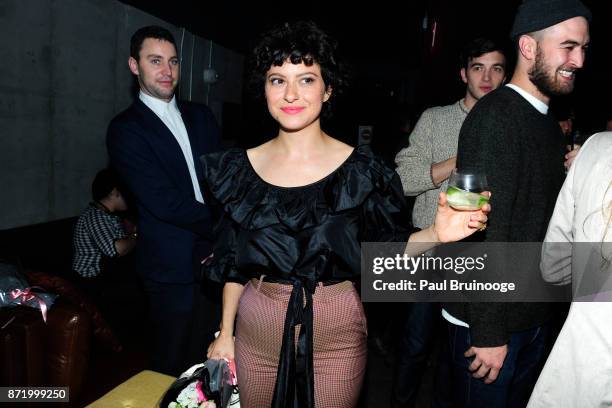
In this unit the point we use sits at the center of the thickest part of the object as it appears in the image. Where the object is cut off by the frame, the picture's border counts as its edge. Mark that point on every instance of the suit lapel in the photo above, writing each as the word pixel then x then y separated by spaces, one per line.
pixel 165 135
pixel 194 142
pixel 152 120
pixel 188 121
pixel 167 146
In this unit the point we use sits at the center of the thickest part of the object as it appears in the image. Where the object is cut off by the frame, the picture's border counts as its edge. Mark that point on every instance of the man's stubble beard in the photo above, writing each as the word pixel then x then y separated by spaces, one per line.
pixel 545 82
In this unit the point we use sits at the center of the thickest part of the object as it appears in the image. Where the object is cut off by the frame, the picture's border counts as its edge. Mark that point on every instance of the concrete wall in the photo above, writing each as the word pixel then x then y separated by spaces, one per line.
pixel 65 76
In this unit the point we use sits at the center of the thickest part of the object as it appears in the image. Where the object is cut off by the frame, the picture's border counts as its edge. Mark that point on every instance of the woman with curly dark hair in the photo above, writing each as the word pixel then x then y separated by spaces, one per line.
pixel 295 210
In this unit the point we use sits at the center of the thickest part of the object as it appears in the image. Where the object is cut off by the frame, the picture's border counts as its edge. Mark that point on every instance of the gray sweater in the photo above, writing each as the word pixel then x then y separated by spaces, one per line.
pixel 434 139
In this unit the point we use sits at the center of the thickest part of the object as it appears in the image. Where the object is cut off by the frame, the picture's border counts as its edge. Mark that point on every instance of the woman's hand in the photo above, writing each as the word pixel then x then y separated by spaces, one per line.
pixel 222 347
pixel 452 225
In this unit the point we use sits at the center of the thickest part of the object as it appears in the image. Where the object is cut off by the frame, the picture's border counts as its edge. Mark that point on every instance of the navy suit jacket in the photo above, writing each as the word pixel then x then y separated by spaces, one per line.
pixel 150 161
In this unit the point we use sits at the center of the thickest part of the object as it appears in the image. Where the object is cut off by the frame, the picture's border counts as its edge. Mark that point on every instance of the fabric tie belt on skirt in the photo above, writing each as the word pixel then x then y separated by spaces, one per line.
pixel 295 377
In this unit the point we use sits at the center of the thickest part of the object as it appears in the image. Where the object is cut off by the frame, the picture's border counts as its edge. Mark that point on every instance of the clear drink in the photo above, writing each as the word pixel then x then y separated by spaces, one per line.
pixel 465 200
pixel 464 188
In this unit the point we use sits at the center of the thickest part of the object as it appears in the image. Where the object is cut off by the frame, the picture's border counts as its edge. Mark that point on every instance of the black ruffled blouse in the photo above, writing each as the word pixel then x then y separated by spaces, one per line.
pixel 300 235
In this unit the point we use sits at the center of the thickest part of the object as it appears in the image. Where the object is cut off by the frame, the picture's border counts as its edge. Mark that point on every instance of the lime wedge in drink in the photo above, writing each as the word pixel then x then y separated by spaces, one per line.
pixel 464 200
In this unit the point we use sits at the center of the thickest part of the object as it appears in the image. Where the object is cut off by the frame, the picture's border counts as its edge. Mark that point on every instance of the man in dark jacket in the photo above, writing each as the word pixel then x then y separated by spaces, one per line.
pixel 155 145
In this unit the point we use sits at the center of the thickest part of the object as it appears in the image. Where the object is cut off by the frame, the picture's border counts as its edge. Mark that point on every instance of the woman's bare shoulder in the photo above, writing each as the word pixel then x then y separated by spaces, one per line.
pixel 339 148
pixel 258 153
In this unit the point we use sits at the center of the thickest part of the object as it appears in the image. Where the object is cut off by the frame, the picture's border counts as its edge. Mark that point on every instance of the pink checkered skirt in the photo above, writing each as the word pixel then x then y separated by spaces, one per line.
pixel 339 343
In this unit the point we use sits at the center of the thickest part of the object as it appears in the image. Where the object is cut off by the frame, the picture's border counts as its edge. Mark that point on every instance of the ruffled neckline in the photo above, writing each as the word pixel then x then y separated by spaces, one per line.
pixel 253 203
pixel 289 188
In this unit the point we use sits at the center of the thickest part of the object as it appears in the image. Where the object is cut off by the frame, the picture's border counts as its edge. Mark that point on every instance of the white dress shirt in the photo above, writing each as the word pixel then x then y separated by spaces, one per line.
pixel 169 113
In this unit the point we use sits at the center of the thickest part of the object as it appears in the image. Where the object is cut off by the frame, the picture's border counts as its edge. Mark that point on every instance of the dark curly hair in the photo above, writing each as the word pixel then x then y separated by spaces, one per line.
pixel 300 42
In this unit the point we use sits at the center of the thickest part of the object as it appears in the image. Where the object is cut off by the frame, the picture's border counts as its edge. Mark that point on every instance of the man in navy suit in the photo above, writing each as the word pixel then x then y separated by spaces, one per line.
pixel 155 145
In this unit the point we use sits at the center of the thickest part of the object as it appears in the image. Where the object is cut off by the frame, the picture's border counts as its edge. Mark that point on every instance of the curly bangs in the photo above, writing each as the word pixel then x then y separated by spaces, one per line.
pixel 299 42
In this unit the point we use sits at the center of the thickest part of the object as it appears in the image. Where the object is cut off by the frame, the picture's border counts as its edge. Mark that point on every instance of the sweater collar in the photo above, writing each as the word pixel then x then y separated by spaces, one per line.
pixel 535 102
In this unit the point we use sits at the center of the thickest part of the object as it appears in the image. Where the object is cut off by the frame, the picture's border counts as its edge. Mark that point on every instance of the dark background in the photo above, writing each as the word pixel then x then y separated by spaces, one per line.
pixel 396 72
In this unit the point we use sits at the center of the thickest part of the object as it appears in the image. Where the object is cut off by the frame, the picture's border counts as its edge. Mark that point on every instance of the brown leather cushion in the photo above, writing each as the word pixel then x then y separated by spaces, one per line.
pixel 67 350
pixel 51 354
pixel 12 347
pixel 103 333
pixel 21 342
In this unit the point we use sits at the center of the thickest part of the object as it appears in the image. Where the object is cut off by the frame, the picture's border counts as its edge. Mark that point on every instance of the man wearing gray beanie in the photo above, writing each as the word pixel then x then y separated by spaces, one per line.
pixel 510 137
